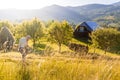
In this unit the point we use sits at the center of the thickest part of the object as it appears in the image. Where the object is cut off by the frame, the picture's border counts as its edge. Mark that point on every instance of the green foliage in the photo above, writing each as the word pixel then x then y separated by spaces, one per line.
pixel 19 31
pixel 48 23
pixel 60 33
pixel 6 24
pixel 34 28
pixel 105 38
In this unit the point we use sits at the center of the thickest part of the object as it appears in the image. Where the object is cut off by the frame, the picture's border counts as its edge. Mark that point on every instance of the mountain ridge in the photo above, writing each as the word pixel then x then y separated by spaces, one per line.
pixel 55 12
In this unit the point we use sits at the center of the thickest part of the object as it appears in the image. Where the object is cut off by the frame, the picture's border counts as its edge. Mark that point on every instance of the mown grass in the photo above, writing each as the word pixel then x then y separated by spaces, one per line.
pixel 57 68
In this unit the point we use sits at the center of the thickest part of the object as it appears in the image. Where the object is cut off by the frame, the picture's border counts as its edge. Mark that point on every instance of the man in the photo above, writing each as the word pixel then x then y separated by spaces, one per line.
pixel 23 46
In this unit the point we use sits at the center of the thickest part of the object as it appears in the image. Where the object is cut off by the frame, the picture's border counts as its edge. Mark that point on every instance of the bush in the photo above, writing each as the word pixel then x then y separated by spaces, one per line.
pixel 105 38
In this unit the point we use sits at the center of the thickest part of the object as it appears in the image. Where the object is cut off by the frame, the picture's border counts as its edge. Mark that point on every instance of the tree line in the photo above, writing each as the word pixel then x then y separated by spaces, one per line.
pixel 61 32
pixel 57 32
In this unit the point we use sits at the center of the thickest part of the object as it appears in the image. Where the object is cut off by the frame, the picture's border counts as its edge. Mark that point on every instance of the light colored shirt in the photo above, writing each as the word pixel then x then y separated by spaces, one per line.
pixel 23 42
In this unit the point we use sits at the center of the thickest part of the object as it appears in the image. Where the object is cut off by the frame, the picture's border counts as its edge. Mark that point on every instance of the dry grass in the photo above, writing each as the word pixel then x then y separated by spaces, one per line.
pixel 57 68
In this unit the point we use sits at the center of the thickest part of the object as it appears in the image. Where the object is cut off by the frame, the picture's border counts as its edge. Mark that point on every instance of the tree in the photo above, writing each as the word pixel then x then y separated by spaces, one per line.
pixel 60 33
pixel 34 28
pixel 105 38
pixel 20 30
pixel 6 24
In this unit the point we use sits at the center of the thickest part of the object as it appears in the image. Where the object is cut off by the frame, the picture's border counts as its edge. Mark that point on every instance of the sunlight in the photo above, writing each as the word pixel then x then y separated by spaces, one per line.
pixel 23 4
pixel 37 4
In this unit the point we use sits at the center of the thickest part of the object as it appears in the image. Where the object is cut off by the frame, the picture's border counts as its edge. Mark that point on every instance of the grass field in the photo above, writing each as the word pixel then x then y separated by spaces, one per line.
pixel 57 68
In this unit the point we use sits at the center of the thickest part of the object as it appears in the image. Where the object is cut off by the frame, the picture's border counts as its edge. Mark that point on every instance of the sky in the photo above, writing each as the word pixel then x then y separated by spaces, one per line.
pixel 37 4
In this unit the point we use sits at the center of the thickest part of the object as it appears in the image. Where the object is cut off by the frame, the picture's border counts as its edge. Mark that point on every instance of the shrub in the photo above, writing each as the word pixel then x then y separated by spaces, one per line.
pixel 105 38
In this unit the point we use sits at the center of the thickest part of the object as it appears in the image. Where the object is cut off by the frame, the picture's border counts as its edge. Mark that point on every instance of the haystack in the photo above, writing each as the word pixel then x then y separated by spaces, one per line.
pixel 5 34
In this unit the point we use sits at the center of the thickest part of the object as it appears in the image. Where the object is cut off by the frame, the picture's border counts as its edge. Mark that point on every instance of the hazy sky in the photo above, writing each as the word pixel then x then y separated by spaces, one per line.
pixel 36 4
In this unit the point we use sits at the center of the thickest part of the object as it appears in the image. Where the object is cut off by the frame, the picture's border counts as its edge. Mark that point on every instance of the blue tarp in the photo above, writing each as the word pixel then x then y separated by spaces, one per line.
pixel 90 25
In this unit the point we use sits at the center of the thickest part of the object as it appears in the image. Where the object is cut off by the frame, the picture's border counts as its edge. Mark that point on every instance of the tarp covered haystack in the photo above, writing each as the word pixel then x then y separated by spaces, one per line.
pixel 5 34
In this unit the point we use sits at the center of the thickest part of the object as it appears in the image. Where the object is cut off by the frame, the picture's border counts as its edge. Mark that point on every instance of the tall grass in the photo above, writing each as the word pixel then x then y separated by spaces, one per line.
pixel 52 68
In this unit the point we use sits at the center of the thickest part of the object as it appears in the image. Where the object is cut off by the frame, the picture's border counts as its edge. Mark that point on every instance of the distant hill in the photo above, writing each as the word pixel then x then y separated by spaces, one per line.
pixel 53 12
pixel 97 12
pixel 56 12
pixel 89 7
pixel 116 4
pixel 91 10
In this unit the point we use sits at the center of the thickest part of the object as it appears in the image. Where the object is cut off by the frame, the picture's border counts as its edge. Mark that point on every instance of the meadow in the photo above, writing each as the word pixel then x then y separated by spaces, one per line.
pixel 57 68
pixel 51 57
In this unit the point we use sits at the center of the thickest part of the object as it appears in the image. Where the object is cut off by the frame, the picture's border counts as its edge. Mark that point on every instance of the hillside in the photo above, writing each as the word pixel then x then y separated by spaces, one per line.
pixel 53 12
pixel 117 4
pixel 91 10
pixel 56 12
pixel 100 12
pixel 97 12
